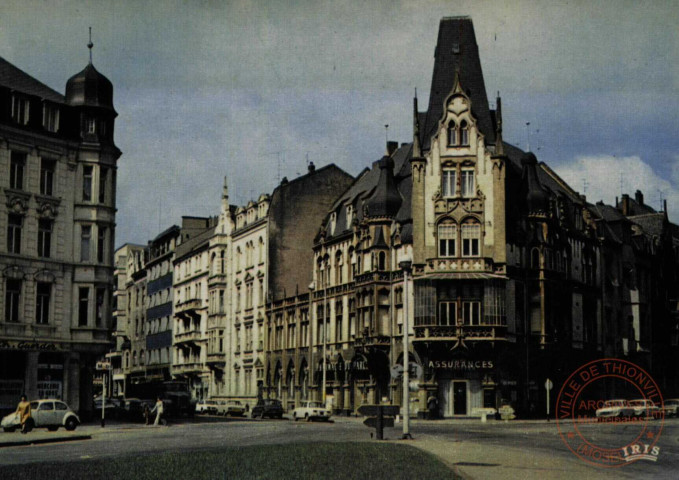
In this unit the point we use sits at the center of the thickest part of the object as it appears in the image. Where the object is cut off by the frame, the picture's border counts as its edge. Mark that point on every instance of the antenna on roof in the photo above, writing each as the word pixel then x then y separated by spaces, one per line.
pixel 584 186
pixel 90 45
pixel 621 184
pixel 386 133
pixel 660 199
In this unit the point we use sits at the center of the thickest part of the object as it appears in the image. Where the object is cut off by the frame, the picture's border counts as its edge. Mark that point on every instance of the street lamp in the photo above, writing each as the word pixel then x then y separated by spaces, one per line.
pixel 312 287
pixel 406 265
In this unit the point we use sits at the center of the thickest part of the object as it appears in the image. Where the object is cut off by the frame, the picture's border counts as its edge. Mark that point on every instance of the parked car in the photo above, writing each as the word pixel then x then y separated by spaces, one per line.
pixel 233 408
pixel 615 408
pixel 133 408
pixel 644 408
pixel 267 408
pixel 48 413
pixel 671 407
pixel 114 407
pixel 207 406
pixel 311 411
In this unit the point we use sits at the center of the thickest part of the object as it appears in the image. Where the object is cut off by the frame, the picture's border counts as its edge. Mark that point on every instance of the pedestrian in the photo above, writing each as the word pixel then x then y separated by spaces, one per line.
pixel 432 406
pixel 24 412
pixel 158 408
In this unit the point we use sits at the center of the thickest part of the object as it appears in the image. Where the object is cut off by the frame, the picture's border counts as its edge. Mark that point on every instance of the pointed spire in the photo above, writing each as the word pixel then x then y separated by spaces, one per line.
pixel 499 147
pixel 90 45
pixel 416 128
pixel 225 189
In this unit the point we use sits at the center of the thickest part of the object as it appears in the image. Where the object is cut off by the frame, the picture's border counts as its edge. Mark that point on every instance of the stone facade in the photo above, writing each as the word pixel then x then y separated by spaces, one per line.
pixel 57 225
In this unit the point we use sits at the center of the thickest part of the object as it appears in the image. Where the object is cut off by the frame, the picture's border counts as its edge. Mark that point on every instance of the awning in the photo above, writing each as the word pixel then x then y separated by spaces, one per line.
pixel 461 276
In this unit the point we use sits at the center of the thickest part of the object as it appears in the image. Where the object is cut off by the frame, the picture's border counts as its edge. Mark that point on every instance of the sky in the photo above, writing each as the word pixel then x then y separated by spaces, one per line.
pixel 251 90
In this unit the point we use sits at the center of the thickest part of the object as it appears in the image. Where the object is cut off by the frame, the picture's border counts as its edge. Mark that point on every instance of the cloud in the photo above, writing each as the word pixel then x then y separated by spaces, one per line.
pixel 602 175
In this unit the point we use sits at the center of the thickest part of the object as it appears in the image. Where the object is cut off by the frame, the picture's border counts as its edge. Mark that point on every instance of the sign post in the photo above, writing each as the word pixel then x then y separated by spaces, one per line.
pixel 548 386
pixel 105 367
pixel 377 420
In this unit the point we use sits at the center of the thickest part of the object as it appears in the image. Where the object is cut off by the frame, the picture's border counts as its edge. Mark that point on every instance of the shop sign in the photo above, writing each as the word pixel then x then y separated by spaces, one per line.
pixel 30 346
pixel 462 364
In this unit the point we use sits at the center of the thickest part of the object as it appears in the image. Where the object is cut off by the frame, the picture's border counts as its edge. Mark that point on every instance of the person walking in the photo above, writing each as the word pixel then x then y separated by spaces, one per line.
pixel 158 408
pixel 24 412
pixel 432 406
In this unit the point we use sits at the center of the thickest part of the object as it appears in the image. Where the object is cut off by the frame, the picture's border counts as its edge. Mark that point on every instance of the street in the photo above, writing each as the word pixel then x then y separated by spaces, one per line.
pixel 526 449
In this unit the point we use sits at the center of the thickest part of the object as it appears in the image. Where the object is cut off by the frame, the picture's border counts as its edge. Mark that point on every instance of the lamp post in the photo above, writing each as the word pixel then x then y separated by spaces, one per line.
pixel 406 265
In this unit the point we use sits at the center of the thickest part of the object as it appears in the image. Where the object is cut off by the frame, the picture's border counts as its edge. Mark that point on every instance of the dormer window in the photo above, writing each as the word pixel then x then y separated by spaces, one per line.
pixel 350 214
pixel 50 118
pixel 333 222
pixel 452 134
pixel 20 109
pixel 90 125
pixel 464 133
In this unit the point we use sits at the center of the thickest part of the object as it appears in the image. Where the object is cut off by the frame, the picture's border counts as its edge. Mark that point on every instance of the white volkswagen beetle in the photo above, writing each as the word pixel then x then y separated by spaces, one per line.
pixel 310 411
pixel 48 413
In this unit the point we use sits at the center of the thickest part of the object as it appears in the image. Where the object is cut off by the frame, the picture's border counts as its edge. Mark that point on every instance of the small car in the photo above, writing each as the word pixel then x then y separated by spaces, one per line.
pixel 114 407
pixel 671 407
pixel 233 408
pixel 615 408
pixel 133 408
pixel 311 411
pixel 267 408
pixel 207 407
pixel 47 413
pixel 644 408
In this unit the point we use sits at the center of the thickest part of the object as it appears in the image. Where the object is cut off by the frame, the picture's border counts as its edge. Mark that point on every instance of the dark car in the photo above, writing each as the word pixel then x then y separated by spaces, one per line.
pixel 267 408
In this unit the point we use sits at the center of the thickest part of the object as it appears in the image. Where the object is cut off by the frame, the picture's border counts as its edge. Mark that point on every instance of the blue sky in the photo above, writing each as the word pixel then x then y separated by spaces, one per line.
pixel 208 89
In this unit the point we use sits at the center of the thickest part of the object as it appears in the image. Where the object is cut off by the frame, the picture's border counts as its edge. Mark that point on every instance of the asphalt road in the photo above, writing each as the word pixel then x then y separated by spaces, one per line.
pixel 490 450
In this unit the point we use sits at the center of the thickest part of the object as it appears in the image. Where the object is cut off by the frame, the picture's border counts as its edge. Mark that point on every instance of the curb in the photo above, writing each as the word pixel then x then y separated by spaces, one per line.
pixel 39 441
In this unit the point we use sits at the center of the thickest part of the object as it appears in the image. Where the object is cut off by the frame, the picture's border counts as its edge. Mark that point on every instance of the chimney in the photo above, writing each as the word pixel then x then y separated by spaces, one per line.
pixel 391 148
pixel 639 197
pixel 311 167
pixel 625 204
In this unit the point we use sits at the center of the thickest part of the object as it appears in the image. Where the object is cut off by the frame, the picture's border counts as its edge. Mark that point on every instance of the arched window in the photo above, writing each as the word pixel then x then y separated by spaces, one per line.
pixel 464 133
pixel 447 235
pixel 535 258
pixel 327 270
pixel 352 267
pixel 261 250
pixel 221 268
pixel 320 272
pixel 471 238
pixel 452 133
pixel 382 261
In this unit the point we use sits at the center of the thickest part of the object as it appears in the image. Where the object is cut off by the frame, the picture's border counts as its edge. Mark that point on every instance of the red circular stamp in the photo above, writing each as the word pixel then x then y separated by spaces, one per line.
pixel 609 413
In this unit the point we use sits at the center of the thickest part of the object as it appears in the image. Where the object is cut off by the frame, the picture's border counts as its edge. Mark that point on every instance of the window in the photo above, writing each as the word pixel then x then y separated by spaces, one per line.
pixel 447 239
pixel 87 183
pixel 47 168
pixel 467 182
pixel 16 170
pixel 449 182
pixel 90 125
pixel 50 118
pixel 14 226
pixel 83 305
pixel 85 235
pixel 42 310
pixel 452 133
pixel 101 244
pixel 464 133
pixel 471 234
pixel 44 237
pixel 471 313
pixel 101 296
pixel 448 313
pixel 20 110
pixel 248 295
pixel 103 175
pixel 12 300
pixel 382 261
pixel 339 265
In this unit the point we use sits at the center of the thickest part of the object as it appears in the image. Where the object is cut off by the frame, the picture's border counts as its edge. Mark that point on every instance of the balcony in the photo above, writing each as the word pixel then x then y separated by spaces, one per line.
pixel 189 336
pixel 216 360
pixel 188 308
pixel 461 332
pixel 188 368
pixel 462 266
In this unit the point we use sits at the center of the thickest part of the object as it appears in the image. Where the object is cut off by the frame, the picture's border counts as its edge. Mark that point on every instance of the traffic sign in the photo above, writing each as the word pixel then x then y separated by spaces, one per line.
pixel 372 422
pixel 373 410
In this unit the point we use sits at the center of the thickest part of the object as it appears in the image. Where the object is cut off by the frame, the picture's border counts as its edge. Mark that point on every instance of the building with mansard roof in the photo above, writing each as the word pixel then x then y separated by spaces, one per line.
pixel 57 220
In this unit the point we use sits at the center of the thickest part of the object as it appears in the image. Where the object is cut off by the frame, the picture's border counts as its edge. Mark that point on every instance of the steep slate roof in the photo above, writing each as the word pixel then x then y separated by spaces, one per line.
pixel 16 79
pixel 456 50
pixel 194 243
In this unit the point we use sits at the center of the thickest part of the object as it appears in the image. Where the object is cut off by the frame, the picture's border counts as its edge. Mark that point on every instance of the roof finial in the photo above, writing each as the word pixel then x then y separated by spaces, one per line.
pixel 90 45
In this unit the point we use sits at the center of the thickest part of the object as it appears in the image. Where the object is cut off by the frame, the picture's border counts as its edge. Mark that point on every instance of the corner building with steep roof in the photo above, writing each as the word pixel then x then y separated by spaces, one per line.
pixel 57 220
